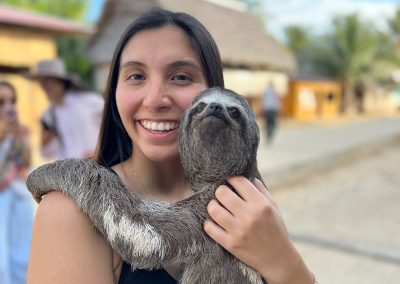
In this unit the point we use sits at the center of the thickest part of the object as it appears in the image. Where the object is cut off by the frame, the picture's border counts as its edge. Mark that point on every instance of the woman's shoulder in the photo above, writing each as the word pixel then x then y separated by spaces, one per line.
pixel 66 243
pixel 56 206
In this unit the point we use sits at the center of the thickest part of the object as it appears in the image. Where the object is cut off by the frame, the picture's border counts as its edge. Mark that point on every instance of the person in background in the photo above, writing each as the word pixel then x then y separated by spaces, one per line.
pixel 271 107
pixel 16 204
pixel 70 126
pixel 359 93
pixel 161 63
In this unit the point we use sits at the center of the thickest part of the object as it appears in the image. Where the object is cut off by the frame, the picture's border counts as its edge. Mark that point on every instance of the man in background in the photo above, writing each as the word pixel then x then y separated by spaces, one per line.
pixel 271 107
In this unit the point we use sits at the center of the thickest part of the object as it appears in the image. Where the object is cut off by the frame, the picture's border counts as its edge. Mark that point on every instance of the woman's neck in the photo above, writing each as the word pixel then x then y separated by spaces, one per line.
pixel 157 181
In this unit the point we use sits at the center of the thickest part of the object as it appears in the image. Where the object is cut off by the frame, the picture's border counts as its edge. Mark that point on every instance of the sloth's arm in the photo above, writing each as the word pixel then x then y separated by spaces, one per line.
pixel 144 233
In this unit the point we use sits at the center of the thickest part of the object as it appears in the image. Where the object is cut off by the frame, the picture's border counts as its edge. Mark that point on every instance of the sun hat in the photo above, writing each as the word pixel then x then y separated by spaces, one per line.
pixel 53 68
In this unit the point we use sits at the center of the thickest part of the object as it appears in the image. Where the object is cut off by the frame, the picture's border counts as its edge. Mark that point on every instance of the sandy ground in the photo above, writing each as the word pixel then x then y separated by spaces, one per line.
pixel 345 218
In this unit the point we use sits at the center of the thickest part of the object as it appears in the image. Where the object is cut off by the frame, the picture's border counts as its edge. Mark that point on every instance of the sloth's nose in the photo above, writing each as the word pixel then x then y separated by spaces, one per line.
pixel 214 108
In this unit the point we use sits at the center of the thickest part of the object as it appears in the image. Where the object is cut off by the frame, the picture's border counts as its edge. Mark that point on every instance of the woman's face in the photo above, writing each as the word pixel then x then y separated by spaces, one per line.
pixel 53 87
pixel 160 74
pixel 7 102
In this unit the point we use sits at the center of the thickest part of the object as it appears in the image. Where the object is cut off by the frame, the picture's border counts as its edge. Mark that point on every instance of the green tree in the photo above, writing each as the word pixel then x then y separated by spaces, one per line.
pixel 297 38
pixel 70 48
pixel 348 53
pixel 394 25
pixel 394 38
pixel 301 42
pixel 69 9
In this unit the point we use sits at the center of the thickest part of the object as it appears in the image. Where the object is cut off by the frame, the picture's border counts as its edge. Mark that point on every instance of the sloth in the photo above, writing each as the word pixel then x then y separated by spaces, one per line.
pixel 218 138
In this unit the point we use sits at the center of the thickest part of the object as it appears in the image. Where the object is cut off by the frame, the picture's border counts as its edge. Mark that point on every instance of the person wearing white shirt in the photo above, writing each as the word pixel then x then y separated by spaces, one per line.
pixel 70 126
pixel 271 107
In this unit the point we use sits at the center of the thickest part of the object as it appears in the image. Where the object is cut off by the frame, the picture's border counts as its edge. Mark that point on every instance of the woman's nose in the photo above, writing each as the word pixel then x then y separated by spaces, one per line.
pixel 157 96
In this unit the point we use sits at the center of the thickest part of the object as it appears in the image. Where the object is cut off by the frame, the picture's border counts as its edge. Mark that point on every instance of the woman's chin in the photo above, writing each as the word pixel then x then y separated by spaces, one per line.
pixel 162 154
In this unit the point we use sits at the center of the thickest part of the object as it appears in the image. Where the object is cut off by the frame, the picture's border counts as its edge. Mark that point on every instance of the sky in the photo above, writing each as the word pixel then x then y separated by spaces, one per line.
pixel 94 10
pixel 318 14
pixel 313 14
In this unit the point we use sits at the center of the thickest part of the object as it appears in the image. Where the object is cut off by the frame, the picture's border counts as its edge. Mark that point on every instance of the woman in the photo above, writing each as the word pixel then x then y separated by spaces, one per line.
pixel 161 63
pixel 16 206
pixel 71 124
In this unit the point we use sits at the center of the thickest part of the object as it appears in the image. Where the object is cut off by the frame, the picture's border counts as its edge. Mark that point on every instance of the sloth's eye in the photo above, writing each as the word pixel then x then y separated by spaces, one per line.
pixel 233 112
pixel 201 107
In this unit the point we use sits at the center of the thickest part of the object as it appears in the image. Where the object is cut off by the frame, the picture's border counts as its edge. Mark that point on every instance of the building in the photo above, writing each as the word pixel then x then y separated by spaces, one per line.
pixel 26 38
pixel 251 58
pixel 311 97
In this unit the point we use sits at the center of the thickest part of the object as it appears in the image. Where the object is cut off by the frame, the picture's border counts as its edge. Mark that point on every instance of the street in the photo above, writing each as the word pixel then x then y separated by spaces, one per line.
pixel 344 215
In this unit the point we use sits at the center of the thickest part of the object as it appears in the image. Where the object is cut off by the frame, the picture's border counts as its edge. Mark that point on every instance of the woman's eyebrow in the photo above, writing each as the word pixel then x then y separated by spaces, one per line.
pixel 174 64
pixel 185 63
pixel 131 64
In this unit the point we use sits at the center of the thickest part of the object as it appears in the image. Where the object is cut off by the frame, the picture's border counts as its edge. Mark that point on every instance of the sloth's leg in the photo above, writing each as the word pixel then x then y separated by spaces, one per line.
pixel 146 234
pixel 120 215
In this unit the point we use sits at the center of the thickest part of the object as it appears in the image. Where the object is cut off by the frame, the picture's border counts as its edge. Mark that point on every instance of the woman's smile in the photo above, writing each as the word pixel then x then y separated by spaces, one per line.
pixel 159 126
pixel 159 131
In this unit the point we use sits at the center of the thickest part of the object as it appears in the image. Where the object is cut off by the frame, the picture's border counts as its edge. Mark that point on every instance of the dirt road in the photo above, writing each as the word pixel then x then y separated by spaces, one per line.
pixel 345 218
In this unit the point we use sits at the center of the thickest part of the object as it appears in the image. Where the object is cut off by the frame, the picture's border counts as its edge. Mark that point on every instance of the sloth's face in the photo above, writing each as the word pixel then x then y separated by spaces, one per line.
pixel 159 77
pixel 218 133
pixel 214 117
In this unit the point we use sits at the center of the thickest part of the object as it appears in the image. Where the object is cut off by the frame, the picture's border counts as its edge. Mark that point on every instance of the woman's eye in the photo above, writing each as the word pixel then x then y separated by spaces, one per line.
pixel 181 78
pixel 135 77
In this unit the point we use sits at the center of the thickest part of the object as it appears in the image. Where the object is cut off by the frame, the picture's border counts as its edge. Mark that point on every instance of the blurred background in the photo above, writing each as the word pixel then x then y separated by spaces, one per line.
pixel 332 163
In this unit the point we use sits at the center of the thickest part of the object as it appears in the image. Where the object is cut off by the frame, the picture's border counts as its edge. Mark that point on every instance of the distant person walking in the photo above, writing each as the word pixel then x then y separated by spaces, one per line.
pixel 71 124
pixel 359 92
pixel 271 107
pixel 16 206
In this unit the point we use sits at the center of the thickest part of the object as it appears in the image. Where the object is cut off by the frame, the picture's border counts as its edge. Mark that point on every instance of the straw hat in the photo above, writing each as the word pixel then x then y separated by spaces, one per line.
pixel 53 68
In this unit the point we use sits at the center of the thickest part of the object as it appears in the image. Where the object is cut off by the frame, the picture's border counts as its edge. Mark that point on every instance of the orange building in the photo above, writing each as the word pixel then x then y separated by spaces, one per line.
pixel 310 98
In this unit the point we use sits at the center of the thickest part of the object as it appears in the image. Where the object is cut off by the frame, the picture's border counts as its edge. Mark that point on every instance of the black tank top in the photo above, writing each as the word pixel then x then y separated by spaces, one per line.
pixel 141 276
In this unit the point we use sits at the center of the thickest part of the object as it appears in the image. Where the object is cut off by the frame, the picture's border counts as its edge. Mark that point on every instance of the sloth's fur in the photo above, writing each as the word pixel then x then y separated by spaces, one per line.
pixel 218 138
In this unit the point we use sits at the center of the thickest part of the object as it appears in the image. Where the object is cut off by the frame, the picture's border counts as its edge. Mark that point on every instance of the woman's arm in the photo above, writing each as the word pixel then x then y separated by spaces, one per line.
pixel 65 246
pixel 250 226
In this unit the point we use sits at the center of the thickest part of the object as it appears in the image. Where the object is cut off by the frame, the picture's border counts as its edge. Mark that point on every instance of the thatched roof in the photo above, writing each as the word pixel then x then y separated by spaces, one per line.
pixel 240 36
pixel 20 18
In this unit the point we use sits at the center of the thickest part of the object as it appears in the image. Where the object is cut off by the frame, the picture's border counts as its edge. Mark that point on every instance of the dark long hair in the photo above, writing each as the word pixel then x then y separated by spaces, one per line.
pixel 114 144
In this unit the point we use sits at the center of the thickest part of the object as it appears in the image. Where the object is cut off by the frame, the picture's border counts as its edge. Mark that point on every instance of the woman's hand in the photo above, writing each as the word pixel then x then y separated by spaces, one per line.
pixel 3 129
pixel 249 225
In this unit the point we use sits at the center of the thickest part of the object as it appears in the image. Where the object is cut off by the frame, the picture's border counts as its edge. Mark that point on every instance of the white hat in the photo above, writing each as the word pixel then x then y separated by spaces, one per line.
pixel 53 68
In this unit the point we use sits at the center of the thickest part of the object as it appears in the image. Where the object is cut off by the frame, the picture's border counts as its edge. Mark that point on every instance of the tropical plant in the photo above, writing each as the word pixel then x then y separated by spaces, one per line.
pixel 69 9
pixel 394 25
pixel 297 38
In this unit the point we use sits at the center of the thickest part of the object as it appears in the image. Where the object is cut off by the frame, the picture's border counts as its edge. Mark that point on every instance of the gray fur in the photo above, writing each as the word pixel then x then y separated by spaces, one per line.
pixel 214 145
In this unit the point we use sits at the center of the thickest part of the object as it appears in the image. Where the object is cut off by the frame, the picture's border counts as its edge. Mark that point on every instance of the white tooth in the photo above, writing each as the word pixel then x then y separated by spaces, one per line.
pixel 167 126
pixel 160 126
pixel 153 126
pixel 173 125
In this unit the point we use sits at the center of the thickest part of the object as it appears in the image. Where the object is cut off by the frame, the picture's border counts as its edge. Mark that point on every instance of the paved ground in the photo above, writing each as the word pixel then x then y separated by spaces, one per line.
pixel 341 202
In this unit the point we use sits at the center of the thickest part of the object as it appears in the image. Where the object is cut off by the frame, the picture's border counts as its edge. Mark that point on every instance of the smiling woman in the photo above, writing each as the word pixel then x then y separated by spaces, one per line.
pixel 161 64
